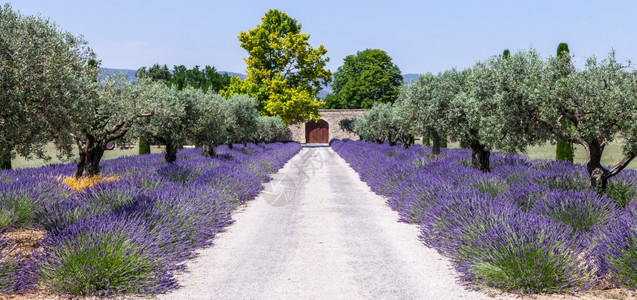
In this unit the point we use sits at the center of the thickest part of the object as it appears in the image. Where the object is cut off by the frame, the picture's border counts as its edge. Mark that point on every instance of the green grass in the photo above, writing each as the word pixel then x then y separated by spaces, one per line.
pixel 21 162
pixel 612 153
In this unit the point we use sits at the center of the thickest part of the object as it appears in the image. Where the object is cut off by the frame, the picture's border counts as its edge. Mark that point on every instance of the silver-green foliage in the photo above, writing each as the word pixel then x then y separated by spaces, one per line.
pixel 241 117
pixel 45 72
pixel 209 128
pixel 384 122
pixel 601 104
pixel 268 128
pixel 495 109
pixel 106 114
pixel 173 118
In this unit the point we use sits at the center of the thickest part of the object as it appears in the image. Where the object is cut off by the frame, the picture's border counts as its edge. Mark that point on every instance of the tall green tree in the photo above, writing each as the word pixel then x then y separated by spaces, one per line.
pixel 564 150
pixel 284 71
pixel 366 78
pixel 155 72
pixel 214 81
pixel 144 145
pixel 506 53
pixel 205 79
pixel 45 71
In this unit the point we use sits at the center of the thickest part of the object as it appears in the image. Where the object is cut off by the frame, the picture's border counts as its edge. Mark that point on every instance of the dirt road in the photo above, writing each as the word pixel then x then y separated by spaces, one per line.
pixel 318 232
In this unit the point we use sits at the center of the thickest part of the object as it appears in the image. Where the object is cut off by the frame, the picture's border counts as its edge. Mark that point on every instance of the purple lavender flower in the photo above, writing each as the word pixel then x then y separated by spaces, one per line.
pixel 616 251
pixel 498 227
pixel 105 255
pixel 582 210
pixel 17 275
pixel 130 235
pixel 526 253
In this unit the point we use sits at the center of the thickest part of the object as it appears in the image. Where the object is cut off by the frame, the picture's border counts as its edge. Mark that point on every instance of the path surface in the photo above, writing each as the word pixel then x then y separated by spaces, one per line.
pixel 318 232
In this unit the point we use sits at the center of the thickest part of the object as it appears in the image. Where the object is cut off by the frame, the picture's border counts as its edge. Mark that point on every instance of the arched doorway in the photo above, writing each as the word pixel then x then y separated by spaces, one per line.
pixel 317 132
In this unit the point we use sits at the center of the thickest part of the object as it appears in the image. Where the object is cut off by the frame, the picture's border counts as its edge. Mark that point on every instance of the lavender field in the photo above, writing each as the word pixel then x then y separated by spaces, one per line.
pixel 132 229
pixel 528 226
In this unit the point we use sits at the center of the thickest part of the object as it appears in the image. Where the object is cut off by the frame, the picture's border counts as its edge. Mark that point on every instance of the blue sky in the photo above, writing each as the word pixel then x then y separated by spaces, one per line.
pixel 420 36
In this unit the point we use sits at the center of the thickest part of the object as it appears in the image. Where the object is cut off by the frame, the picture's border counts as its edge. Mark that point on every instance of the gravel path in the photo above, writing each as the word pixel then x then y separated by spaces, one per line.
pixel 318 232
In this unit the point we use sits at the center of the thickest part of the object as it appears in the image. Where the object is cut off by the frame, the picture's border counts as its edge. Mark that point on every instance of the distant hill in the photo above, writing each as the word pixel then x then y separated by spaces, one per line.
pixel 232 74
pixel 407 78
pixel 130 74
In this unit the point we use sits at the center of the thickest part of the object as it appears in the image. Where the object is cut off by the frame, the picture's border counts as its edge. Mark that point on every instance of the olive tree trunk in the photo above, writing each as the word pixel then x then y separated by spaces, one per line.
pixel 480 157
pixel 599 175
pixel 436 143
pixel 88 164
pixel 170 154
pixel 91 145
pixel 208 151
pixel 5 158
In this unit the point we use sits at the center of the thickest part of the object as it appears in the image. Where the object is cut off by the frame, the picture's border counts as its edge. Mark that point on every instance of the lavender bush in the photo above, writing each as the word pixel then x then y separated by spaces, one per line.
pixel 20 200
pixel 526 253
pixel 582 210
pixel 105 255
pixel 528 226
pixel 129 235
pixel 617 249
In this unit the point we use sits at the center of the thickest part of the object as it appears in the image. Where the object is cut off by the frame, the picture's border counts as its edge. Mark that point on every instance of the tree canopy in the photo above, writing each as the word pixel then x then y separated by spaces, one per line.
pixel 45 72
pixel 385 122
pixel 366 78
pixel 600 103
pixel 284 71
pixel 423 106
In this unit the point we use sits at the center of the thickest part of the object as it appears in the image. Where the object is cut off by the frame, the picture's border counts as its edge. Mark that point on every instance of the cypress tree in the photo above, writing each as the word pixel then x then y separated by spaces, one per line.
pixel 443 142
pixel 426 140
pixel 144 145
pixel 564 150
pixel 506 53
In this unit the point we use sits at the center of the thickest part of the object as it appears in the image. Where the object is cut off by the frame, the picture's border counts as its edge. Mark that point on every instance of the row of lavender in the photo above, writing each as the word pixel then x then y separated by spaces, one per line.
pixel 528 226
pixel 129 234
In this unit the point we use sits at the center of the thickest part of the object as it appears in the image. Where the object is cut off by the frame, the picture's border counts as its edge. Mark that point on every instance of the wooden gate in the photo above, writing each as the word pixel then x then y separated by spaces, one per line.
pixel 317 132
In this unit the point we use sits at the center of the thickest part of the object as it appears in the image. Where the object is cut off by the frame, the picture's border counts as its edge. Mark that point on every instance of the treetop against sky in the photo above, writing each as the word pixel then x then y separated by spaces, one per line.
pixel 420 36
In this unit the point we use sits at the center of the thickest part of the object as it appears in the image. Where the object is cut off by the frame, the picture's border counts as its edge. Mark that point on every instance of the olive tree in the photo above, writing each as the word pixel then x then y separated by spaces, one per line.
pixel 173 119
pixel 241 116
pixel 209 127
pixel 467 112
pixel 599 102
pixel 384 122
pixel 268 128
pixel 45 73
pixel 423 105
pixel 496 110
pixel 105 116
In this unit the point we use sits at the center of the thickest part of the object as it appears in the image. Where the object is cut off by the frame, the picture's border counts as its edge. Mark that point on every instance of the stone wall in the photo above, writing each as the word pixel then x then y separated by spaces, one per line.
pixel 296 132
